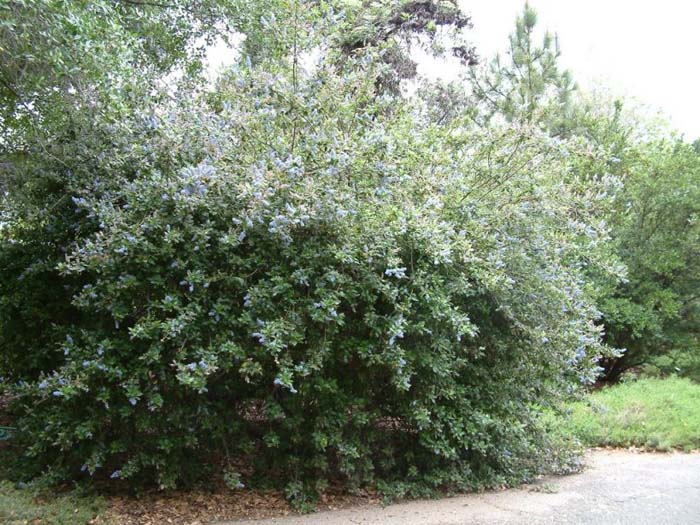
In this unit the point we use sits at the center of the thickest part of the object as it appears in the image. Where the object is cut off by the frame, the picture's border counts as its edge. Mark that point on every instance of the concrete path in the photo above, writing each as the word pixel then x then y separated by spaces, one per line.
pixel 617 488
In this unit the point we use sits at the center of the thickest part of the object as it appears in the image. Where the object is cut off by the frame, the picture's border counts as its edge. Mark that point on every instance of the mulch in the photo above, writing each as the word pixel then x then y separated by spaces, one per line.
pixel 201 508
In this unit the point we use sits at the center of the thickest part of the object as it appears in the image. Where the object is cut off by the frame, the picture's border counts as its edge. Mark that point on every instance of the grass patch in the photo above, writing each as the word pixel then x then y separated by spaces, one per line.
pixel 658 414
pixel 28 505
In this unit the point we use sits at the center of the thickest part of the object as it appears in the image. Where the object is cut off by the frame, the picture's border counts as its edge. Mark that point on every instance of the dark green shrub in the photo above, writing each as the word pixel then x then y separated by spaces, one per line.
pixel 336 291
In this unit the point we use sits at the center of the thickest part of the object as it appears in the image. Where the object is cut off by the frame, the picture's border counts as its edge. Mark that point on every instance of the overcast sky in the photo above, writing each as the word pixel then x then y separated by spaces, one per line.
pixel 644 48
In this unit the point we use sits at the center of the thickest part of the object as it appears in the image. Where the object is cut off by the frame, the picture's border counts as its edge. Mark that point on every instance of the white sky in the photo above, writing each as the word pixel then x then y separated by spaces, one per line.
pixel 643 48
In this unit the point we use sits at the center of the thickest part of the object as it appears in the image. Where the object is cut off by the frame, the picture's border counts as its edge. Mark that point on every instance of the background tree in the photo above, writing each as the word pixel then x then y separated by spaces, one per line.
pixel 54 54
pixel 655 229
pixel 395 26
pixel 528 87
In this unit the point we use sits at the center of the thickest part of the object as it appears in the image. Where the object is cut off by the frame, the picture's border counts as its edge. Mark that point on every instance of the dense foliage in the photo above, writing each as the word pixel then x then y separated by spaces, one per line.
pixel 655 313
pixel 301 275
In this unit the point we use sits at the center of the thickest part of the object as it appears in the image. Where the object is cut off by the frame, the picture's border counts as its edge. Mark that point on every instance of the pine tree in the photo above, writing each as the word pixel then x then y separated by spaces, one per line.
pixel 530 87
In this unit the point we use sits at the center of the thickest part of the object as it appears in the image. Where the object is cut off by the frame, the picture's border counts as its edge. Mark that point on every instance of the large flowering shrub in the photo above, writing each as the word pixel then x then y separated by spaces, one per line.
pixel 300 279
